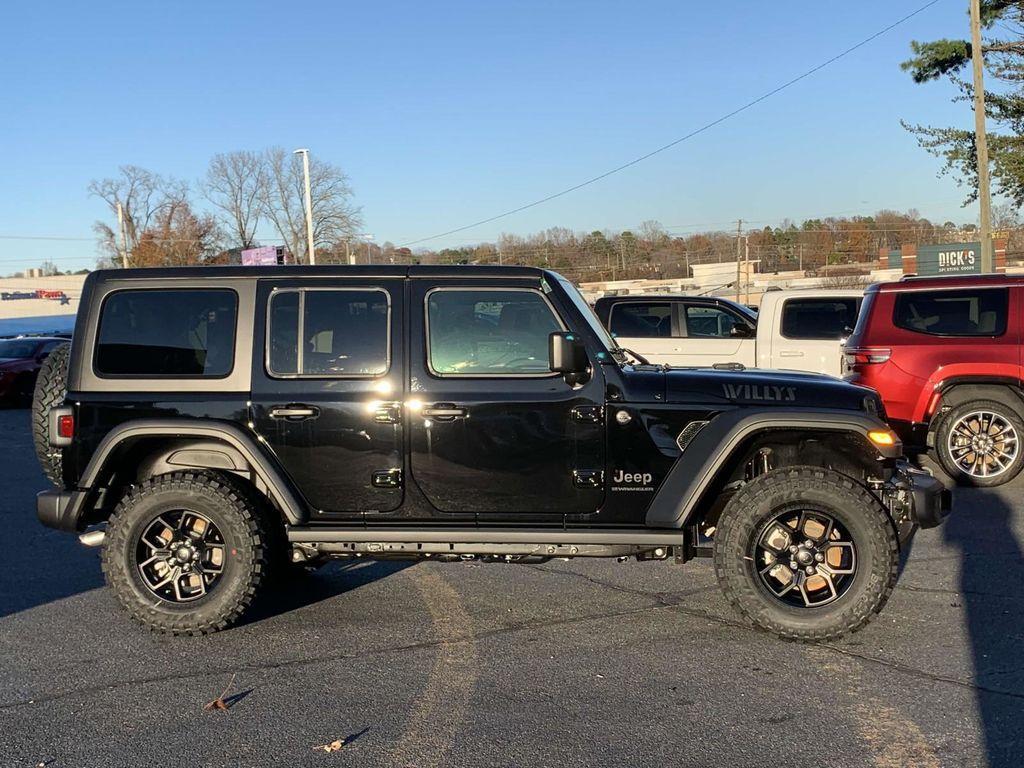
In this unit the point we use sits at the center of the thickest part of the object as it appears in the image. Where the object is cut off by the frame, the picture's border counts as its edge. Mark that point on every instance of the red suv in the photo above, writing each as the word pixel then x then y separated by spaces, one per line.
pixel 945 355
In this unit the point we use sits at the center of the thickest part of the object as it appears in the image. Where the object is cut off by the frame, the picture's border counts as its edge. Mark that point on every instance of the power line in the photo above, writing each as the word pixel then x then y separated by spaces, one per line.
pixel 696 132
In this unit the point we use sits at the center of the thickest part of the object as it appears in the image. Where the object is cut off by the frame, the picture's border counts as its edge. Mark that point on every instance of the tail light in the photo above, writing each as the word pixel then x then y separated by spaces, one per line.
pixel 856 356
pixel 62 426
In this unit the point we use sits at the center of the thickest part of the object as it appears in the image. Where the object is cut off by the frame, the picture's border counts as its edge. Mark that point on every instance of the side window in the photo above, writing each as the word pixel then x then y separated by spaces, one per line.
pixel 708 322
pixel 188 332
pixel 819 318
pixel 973 312
pixel 642 320
pixel 475 332
pixel 328 333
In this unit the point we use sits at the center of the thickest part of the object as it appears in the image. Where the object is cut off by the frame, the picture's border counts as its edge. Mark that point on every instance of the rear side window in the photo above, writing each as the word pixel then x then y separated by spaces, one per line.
pixel 328 333
pixel 475 332
pixel 642 320
pixel 824 319
pixel 182 333
pixel 971 312
pixel 709 322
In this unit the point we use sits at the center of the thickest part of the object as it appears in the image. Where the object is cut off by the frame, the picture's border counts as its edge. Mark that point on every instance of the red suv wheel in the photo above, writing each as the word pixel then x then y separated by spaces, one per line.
pixel 979 443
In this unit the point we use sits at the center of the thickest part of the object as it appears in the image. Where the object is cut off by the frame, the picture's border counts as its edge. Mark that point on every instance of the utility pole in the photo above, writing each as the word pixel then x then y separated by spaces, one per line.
pixel 739 235
pixel 801 257
pixel 309 204
pixel 981 138
pixel 124 236
pixel 746 269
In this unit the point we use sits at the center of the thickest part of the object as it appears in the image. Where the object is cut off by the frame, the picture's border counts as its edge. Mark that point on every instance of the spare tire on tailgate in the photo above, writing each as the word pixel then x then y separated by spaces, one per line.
pixel 51 387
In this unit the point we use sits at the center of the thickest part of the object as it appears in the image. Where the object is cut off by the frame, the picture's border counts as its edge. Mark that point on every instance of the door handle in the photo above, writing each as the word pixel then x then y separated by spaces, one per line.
pixel 444 411
pixel 294 412
pixel 790 353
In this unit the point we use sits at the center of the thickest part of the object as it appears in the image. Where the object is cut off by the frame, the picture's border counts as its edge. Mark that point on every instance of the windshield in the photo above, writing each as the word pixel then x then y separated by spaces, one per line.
pixel 19 348
pixel 588 314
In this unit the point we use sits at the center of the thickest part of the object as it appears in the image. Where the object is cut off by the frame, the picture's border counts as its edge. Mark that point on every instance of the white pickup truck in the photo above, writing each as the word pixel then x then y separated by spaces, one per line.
pixel 794 330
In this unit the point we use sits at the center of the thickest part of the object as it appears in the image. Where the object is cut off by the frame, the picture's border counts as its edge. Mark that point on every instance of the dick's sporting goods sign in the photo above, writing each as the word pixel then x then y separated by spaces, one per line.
pixel 949 259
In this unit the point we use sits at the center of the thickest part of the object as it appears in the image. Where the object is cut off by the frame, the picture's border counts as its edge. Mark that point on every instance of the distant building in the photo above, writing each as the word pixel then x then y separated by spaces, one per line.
pixel 36 304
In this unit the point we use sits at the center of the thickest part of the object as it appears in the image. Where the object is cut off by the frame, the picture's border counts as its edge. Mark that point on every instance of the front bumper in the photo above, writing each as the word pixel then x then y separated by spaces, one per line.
pixel 918 498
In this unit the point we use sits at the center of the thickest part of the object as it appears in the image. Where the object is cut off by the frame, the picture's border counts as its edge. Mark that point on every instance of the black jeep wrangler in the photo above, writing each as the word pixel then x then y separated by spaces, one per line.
pixel 210 426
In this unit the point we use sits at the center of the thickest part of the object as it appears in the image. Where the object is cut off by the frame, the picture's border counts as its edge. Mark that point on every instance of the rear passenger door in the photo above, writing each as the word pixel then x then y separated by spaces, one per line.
pixel 327 389
pixel 810 332
pixel 646 327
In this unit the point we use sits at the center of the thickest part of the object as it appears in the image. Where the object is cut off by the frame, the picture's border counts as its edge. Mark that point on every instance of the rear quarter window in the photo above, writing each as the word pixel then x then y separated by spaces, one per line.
pixel 157 333
pixel 959 313
pixel 819 318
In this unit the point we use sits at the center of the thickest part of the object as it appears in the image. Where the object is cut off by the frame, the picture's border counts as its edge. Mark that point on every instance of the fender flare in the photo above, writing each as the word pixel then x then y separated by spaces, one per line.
pixel 677 499
pixel 236 442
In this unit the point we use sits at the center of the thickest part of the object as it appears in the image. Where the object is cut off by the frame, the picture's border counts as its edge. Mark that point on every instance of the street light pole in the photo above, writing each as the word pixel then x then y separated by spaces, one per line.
pixel 981 138
pixel 309 205
pixel 124 236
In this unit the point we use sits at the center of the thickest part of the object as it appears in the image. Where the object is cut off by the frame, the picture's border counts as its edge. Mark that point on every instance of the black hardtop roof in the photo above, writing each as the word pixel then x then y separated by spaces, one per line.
pixel 325 270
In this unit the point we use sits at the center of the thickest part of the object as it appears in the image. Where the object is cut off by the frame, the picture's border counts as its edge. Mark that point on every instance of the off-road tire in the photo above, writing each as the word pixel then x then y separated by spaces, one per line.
pixel 848 502
pixel 51 387
pixel 950 418
pixel 236 516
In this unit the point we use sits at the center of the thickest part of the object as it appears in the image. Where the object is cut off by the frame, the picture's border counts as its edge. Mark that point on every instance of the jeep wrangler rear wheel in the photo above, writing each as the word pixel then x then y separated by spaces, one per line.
pixel 979 443
pixel 185 553
pixel 806 553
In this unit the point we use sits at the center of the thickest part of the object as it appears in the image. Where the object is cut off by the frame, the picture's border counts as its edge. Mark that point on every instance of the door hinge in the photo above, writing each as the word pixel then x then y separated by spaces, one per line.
pixel 387 478
pixel 388 413
pixel 588 478
pixel 590 414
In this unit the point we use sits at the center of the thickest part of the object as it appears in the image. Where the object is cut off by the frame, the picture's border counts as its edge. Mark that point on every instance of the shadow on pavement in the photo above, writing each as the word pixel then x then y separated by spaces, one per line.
pixel 992 584
pixel 300 589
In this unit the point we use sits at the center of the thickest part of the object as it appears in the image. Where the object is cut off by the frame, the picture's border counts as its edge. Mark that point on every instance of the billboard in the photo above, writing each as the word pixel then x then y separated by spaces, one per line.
pixel 949 259
pixel 266 256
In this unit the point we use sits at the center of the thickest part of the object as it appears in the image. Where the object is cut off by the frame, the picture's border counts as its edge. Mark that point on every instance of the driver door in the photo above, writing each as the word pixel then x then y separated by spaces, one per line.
pixel 492 430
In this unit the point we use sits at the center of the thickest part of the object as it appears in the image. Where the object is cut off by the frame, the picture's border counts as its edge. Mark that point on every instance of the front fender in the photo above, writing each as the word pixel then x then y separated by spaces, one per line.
pixel 678 498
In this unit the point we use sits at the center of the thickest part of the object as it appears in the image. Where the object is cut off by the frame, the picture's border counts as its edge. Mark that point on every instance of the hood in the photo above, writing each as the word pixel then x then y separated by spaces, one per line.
pixel 764 388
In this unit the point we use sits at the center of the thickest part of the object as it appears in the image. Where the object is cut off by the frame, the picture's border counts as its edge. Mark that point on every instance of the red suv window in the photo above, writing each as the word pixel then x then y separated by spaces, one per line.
pixel 970 312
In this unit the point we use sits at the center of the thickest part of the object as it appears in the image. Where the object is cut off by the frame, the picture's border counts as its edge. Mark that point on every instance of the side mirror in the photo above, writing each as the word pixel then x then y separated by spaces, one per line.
pixel 567 355
pixel 741 331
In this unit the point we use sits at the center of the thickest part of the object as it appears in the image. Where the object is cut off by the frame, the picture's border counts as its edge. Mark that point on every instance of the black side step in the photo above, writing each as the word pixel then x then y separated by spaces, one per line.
pixel 541 536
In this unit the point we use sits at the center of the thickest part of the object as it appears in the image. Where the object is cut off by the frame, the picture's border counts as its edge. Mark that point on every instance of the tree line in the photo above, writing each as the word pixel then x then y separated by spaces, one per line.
pixel 816 245
pixel 171 222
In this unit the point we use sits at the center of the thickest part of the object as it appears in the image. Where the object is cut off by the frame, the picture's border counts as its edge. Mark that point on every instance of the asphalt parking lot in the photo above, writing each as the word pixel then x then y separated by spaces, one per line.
pixel 565 663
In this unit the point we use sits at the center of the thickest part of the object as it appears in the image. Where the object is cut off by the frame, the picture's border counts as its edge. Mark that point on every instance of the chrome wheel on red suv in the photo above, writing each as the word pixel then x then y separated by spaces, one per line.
pixel 978 443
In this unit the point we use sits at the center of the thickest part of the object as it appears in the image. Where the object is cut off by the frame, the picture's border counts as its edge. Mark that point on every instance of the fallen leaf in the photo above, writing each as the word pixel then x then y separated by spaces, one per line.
pixel 219 702
pixel 334 746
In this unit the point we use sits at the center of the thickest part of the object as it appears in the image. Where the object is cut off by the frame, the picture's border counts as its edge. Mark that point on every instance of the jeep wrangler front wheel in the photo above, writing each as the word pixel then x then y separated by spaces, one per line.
pixel 806 553
pixel 185 553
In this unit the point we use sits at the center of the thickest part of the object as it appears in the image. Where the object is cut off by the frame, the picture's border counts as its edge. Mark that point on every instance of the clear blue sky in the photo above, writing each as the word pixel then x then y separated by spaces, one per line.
pixel 445 113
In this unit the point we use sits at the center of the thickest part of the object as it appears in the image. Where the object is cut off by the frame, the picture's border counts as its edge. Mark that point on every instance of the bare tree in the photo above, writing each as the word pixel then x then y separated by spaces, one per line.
pixel 142 195
pixel 335 218
pixel 234 184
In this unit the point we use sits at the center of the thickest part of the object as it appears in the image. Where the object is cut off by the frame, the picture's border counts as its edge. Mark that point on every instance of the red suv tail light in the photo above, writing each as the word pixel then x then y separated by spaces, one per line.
pixel 866 355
